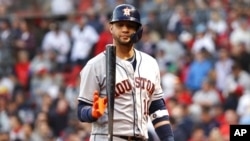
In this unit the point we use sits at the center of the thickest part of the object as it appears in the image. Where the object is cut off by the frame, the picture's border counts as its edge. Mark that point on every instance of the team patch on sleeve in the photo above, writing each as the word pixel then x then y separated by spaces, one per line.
pixel 159 114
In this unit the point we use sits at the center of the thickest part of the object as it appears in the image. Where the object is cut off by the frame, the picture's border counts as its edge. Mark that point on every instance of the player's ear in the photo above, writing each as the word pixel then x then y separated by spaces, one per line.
pixel 111 28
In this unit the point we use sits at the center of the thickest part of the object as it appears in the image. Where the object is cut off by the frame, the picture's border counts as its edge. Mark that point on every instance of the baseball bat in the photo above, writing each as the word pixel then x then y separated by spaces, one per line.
pixel 110 86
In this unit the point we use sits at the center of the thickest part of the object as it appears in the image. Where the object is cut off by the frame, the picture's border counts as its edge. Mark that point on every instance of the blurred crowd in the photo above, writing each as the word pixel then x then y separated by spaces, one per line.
pixel 202 47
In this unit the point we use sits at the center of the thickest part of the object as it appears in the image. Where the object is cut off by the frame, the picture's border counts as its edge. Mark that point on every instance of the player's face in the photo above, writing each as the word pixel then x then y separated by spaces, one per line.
pixel 122 31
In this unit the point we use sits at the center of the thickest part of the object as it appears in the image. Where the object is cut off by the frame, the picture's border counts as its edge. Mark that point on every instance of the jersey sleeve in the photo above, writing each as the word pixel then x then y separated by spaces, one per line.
pixel 158 92
pixel 88 84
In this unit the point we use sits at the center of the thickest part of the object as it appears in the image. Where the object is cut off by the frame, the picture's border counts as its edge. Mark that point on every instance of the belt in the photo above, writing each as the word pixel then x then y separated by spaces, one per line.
pixel 132 138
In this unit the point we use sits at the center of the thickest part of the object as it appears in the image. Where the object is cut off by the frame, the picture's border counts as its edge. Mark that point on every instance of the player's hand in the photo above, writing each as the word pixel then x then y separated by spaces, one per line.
pixel 99 105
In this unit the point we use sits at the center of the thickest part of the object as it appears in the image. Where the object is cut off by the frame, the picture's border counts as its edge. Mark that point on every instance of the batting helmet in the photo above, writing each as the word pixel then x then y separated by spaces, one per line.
pixel 127 12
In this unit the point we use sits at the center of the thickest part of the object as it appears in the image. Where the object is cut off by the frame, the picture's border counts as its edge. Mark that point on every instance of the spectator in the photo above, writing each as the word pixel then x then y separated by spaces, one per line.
pixel 43 82
pixel 160 57
pixel 218 113
pixel 4 117
pixel 104 38
pixel 183 120
pixel 8 82
pixel 215 135
pixel 198 134
pixel 58 116
pixel 94 20
pixel 198 71
pixel 207 95
pixel 153 22
pixel 241 34
pixel 238 81
pixel 201 12
pixel 241 56
pixel 166 8
pixel 146 44
pixel 6 47
pixel 57 41
pixel 216 23
pixel 171 47
pixel 232 19
pixel 41 116
pixel 40 32
pixel 181 93
pixel 147 7
pixel 28 132
pixel 17 131
pixel 25 40
pixel 186 38
pixel 231 118
pixel 184 65
pixel 243 108
pixel 207 121
pixel 175 24
pixel 15 27
pixel 40 61
pixel 72 90
pixel 222 69
pixel 177 131
pixel 43 132
pixel 238 84
pixel 171 103
pixel 43 109
pixel 21 69
pixel 84 38
pixel 68 23
pixel 168 81
pixel 24 110
pixel 203 40
pixel 220 6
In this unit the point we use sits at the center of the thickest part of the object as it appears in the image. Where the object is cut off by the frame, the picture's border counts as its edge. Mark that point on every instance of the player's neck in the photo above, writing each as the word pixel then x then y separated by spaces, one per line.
pixel 125 53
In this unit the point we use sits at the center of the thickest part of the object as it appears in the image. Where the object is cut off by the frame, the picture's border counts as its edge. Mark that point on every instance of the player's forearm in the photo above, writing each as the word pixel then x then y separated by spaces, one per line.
pixel 163 128
pixel 84 112
pixel 165 132
pixel 160 119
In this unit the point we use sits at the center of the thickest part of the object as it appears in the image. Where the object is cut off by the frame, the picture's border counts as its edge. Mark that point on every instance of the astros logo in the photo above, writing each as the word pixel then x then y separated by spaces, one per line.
pixel 126 11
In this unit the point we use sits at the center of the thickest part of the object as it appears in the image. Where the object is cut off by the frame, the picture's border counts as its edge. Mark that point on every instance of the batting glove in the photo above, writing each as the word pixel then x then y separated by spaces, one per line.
pixel 99 105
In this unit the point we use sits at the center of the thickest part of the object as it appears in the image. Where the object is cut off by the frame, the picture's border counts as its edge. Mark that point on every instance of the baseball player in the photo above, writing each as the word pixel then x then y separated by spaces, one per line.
pixel 138 93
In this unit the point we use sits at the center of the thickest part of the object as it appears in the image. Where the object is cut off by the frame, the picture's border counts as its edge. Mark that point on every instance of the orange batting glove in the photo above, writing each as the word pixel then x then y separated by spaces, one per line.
pixel 99 105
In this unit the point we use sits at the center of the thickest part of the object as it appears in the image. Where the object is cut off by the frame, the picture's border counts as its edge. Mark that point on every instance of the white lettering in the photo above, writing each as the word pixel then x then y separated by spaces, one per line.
pixel 240 132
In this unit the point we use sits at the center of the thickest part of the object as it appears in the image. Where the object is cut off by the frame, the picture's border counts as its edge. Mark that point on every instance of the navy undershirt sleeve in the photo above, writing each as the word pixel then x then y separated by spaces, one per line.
pixel 165 133
pixel 157 105
pixel 84 112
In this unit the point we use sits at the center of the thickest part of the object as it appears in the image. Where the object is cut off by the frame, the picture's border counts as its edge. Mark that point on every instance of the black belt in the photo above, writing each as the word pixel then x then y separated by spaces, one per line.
pixel 132 138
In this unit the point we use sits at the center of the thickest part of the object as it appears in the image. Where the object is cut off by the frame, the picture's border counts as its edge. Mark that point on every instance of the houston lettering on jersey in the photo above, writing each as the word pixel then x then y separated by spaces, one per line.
pixel 140 82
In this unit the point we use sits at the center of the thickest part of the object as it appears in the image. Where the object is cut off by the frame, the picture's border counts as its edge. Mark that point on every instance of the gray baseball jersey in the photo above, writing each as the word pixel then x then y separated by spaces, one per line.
pixel 135 90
